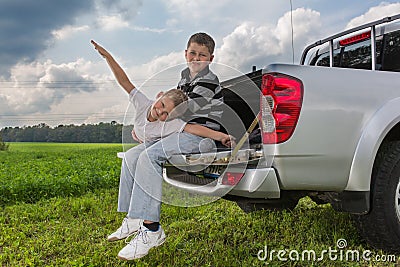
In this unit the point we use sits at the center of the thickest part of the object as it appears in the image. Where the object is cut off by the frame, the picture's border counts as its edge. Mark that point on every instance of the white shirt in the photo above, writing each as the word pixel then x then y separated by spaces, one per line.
pixel 151 130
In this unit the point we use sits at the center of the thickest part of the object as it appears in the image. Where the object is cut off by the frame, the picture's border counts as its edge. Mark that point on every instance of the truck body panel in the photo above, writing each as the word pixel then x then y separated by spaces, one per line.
pixel 338 104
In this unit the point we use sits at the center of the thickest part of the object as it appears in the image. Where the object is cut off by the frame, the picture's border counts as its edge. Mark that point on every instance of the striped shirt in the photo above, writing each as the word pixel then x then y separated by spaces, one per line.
pixel 205 98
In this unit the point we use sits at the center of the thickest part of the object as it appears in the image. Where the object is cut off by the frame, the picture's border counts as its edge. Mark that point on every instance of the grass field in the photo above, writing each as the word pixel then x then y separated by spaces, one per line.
pixel 58 204
pixel 35 171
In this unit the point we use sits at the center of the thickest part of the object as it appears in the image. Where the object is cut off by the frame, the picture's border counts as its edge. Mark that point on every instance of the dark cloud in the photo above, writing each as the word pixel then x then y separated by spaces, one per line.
pixel 26 26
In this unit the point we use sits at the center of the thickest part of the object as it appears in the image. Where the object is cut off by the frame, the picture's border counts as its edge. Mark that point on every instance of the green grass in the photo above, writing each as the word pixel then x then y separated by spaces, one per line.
pixel 35 171
pixel 71 230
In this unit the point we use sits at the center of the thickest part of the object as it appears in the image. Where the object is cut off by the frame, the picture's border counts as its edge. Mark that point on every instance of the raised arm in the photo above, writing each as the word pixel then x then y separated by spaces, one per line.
pixel 119 73
pixel 196 129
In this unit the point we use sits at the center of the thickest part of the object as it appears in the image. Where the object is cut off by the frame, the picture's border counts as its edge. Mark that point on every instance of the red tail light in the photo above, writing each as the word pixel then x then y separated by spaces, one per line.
pixel 281 101
pixel 231 178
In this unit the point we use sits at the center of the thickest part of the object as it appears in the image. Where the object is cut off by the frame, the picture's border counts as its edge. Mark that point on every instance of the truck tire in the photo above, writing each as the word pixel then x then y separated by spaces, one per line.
pixel 381 226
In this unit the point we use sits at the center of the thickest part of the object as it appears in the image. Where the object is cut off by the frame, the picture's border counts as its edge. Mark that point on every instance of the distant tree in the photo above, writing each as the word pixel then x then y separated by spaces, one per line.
pixel 104 132
pixel 3 145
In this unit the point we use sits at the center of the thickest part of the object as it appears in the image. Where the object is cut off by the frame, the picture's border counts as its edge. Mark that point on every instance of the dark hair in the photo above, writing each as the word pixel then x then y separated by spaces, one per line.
pixel 202 39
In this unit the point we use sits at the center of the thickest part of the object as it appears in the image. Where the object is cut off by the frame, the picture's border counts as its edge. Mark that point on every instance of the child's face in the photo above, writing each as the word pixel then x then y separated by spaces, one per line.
pixel 161 108
pixel 198 57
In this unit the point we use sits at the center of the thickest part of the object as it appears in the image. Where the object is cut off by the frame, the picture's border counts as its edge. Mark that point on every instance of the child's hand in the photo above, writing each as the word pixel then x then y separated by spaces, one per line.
pixel 100 49
pixel 133 133
pixel 228 141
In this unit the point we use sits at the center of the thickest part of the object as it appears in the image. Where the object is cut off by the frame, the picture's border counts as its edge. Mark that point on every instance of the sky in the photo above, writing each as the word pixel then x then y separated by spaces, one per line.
pixel 50 73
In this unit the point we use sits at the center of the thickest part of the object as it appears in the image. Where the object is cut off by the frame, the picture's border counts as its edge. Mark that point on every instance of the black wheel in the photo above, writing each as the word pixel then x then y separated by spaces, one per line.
pixel 381 226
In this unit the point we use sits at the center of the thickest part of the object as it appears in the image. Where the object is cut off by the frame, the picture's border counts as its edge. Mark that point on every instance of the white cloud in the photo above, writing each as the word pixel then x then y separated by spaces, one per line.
pixel 68 31
pixel 110 23
pixel 306 25
pixel 116 22
pixel 116 14
pixel 4 104
pixel 199 9
pixel 250 42
pixel 115 112
pixel 375 13
pixel 246 43
pixel 147 29
pixel 160 74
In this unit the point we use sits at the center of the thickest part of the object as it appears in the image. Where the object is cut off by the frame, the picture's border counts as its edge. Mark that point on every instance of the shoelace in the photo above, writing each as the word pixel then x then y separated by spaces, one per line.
pixel 140 234
pixel 125 223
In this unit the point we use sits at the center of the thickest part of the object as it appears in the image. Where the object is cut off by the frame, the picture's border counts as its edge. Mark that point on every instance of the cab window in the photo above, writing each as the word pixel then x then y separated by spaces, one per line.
pixel 391 54
pixel 354 56
pixel 357 56
pixel 323 59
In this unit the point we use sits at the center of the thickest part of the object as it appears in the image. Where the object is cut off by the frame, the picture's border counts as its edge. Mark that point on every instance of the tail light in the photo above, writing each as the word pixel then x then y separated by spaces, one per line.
pixel 281 101
pixel 231 178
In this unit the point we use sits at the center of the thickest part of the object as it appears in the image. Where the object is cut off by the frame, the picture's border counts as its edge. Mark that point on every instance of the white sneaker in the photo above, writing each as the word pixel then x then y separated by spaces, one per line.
pixel 140 245
pixel 129 227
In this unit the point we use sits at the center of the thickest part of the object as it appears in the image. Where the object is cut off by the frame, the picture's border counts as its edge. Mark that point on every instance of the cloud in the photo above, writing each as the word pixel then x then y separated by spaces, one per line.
pixel 116 14
pixel 110 23
pixel 375 13
pixel 252 44
pixel 27 26
pixel 36 87
pixel 4 106
pixel 127 9
pixel 115 22
pixel 199 9
pixel 159 74
pixel 108 114
pixel 68 30
pixel 80 91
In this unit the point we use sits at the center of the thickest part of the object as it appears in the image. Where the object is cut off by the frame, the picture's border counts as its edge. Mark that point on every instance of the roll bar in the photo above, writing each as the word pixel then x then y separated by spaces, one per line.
pixel 333 37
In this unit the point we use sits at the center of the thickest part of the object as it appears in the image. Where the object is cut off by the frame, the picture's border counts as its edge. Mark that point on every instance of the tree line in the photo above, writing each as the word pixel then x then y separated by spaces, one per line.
pixel 86 133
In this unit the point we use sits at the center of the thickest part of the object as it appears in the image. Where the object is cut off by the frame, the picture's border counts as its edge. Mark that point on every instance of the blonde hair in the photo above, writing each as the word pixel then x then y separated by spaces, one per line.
pixel 179 99
pixel 177 96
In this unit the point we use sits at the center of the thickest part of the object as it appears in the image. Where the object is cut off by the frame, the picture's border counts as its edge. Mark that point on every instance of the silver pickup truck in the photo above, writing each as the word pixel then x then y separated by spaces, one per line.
pixel 328 128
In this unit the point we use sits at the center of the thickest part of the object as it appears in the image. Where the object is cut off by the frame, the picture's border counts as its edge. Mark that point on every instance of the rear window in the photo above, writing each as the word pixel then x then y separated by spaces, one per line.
pixel 323 59
pixel 391 54
pixel 355 56
pixel 358 55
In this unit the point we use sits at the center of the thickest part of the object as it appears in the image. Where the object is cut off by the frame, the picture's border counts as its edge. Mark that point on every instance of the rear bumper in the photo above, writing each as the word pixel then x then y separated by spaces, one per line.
pixel 255 183
pixel 258 183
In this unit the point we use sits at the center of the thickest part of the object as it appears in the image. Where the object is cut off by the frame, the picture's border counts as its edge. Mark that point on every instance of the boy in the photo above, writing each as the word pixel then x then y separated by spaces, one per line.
pixel 140 190
pixel 154 120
